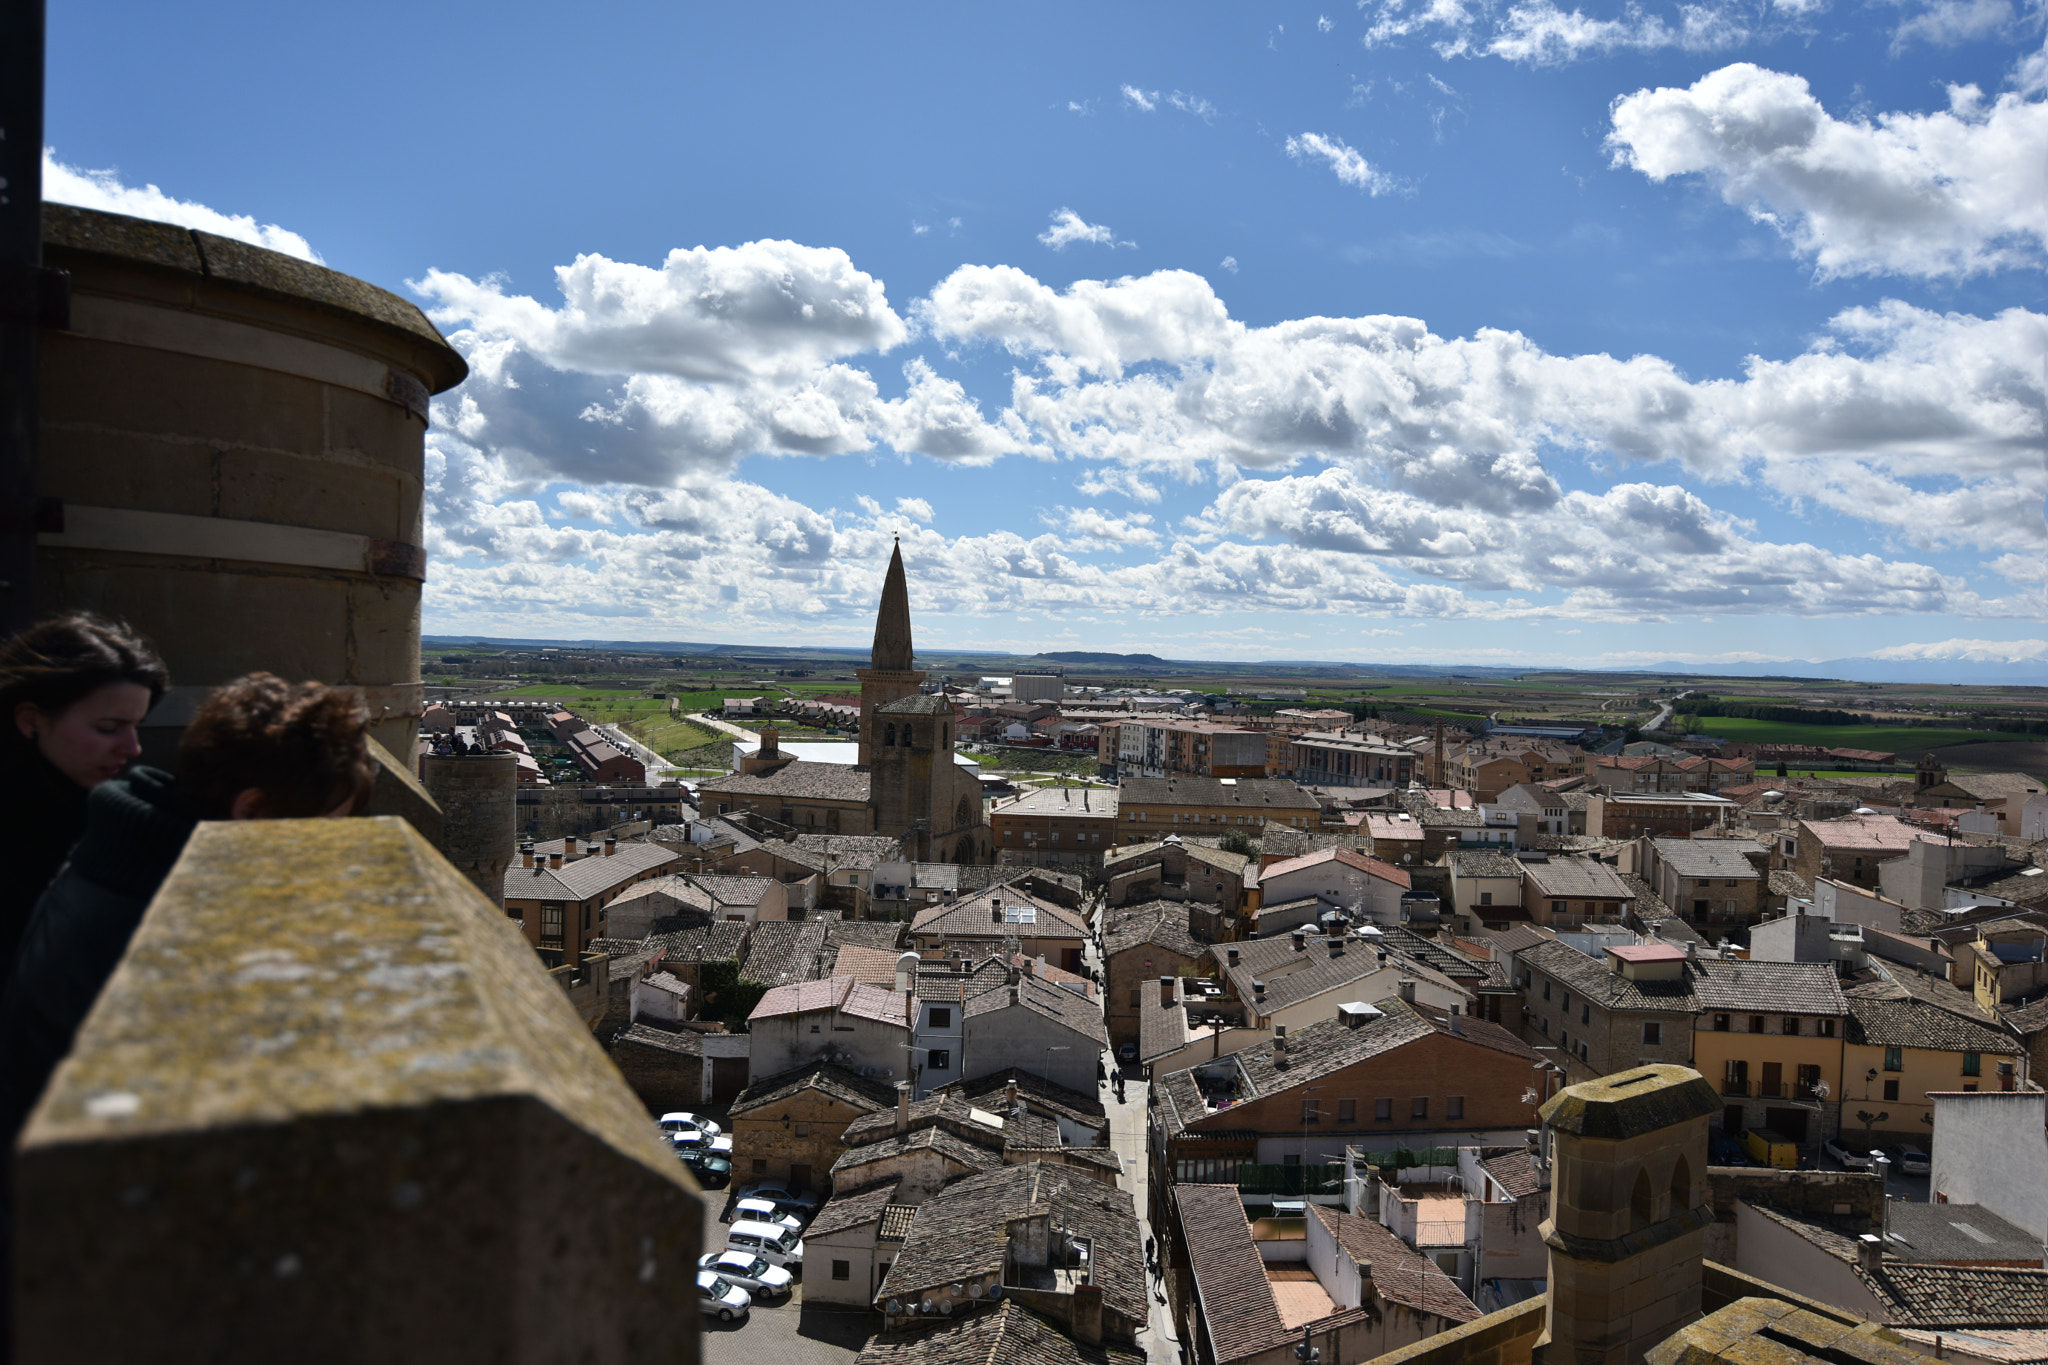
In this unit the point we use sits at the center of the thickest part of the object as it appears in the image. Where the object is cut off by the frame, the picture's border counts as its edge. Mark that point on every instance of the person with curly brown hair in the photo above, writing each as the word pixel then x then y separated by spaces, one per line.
pixel 259 748
pixel 73 690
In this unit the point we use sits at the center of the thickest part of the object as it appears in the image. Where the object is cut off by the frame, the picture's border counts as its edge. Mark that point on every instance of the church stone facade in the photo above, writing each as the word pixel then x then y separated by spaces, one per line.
pixel 906 783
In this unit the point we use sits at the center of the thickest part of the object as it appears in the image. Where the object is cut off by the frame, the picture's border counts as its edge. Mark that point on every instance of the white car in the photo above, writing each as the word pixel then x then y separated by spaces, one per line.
pixel 1850 1158
pixel 765 1211
pixel 721 1145
pixel 749 1272
pixel 720 1298
pixel 775 1244
pixel 681 1121
pixel 1913 1161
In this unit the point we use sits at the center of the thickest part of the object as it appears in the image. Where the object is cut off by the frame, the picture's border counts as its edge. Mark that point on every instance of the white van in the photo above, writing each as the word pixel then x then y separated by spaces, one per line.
pixel 777 1246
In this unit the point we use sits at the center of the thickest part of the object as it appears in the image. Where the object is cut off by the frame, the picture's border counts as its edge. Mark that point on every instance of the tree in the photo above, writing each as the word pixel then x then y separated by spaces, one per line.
pixel 1237 841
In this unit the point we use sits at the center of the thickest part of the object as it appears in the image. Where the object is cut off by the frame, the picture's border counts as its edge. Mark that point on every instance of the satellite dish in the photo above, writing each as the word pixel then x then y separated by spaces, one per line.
pixel 946 1308
pixel 995 1291
pixel 895 1305
pixel 974 1291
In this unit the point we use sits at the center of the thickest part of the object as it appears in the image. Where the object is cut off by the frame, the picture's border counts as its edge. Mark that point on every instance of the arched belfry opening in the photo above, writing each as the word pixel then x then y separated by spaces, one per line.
pixel 1641 1212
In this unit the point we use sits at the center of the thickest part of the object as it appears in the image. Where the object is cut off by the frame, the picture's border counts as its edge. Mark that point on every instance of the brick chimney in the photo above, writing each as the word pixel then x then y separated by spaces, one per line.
pixel 611 844
pixel 1088 1314
pixel 526 855
pixel 555 860
pixel 569 846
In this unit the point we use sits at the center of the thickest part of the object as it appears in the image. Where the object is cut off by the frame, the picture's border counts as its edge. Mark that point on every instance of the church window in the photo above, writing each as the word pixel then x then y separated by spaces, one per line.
pixel 890 742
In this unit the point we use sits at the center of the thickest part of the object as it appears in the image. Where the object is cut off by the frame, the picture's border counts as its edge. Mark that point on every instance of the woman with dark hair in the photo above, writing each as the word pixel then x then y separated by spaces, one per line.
pixel 73 689
pixel 258 749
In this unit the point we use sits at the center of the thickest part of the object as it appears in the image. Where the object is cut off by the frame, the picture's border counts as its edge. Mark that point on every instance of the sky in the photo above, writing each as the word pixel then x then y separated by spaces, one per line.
pixel 1405 331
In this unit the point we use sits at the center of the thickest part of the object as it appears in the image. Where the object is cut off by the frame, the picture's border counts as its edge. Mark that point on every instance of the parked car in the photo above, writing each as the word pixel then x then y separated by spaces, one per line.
pixel 681 1121
pixel 703 1142
pixel 720 1298
pixel 765 1211
pixel 713 1172
pixel 799 1202
pixel 1768 1147
pixel 1851 1159
pixel 1127 1055
pixel 751 1273
pixel 774 1244
pixel 1913 1161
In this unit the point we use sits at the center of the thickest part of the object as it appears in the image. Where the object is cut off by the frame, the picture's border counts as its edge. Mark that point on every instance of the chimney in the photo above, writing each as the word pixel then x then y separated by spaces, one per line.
pixel 1010 1094
pixel 1336 945
pixel 1088 1314
pixel 1013 991
pixel 569 847
pixel 1406 985
pixel 1166 984
pixel 554 860
pixel 902 1106
pixel 611 844
pixel 995 909
pixel 906 968
pixel 1870 1251
pixel 1230 955
pixel 526 855
pixel 1300 937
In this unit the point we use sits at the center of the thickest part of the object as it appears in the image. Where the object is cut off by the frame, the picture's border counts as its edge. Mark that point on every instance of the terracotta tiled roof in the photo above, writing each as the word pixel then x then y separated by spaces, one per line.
pixel 1888 1014
pixel 1230 1276
pixel 782 951
pixel 964 1153
pixel 1037 1094
pixel 851 1208
pixel 1162 924
pixel 1007 1334
pixel 1516 1171
pixel 1024 916
pixel 1371 866
pixel 1399 1272
pixel 842 993
pixel 848 1087
pixel 876 966
pixel 798 779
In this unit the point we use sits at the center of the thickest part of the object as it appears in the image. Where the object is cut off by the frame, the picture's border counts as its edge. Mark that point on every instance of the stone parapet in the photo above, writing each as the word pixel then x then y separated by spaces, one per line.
pixel 1505 1337
pixel 330 1107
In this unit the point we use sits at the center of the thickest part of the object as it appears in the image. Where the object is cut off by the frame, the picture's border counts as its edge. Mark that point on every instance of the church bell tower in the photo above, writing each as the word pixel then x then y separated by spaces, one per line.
pixel 891 674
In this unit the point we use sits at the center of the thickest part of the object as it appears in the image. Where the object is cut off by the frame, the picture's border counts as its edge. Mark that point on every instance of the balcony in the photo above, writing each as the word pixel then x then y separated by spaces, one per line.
pixel 331 1096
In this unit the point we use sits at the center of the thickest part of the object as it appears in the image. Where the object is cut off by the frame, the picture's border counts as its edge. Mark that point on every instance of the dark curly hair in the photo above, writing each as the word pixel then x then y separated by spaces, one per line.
pixel 59 660
pixel 305 746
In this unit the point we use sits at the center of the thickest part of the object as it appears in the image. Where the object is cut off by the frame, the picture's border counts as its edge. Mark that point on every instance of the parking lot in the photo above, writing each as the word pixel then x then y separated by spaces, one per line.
pixel 780 1330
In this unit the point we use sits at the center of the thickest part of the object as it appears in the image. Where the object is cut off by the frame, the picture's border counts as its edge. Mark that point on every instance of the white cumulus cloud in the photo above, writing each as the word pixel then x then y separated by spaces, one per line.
pixel 1145 100
pixel 1345 161
pixel 1946 194
pixel 103 190
pixel 1068 227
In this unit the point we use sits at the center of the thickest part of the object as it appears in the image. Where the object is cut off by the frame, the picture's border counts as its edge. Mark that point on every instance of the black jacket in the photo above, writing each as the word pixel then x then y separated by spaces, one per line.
pixel 135 827
pixel 42 813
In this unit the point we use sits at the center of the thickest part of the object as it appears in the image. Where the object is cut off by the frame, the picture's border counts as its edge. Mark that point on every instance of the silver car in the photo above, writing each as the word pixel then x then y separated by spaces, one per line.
pixel 750 1272
pixel 720 1298
pixel 765 1211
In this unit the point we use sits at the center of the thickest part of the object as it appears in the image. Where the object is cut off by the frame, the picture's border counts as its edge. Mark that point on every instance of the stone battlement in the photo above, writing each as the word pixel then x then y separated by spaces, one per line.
pixel 331 1107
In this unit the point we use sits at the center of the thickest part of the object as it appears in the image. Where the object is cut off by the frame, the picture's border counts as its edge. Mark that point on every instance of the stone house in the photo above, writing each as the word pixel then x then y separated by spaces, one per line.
pixel 851 1242
pixel 838 1019
pixel 692 1067
pixel 1566 893
pixel 1364 887
pixel 1055 827
pixel 1394 1075
pixel 560 907
pixel 983 922
pixel 799 871
pixel 848 866
pixel 1486 889
pixel 789 1127
pixel 1630 1007
pixel 1225 883
pixel 1707 881
pixel 1849 849
pixel 1140 944
pixel 1034 1026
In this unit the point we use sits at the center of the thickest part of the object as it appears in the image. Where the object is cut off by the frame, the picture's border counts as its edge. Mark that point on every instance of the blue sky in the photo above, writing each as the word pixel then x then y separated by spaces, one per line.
pixel 1409 331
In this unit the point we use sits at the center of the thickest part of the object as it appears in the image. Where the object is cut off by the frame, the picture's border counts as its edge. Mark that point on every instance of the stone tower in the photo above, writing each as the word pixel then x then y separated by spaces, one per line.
pixel 478 795
pixel 1628 1213
pixel 918 792
pixel 891 674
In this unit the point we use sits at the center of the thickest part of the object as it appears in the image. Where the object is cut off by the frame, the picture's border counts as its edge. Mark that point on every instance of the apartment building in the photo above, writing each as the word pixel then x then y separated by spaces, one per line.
pixel 1489 768
pixel 1152 807
pixel 1620 815
pixel 1331 759
pixel 1188 748
pixel 1707 881
pixel 1849 849
pixel 1055 827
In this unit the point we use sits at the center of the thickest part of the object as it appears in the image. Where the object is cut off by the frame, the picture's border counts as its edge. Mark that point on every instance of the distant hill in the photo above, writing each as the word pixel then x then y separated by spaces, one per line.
pixel 1083 656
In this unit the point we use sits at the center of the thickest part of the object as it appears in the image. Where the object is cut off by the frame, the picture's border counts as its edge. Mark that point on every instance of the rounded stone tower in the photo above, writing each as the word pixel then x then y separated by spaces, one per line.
pixel 478 795
pixel 233 448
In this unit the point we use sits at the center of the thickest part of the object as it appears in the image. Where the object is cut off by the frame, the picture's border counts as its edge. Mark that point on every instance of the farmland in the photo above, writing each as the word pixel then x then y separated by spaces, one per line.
pixel 1906 740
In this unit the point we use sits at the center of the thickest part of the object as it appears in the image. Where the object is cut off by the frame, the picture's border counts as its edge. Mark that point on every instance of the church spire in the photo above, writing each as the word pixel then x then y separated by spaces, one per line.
pixel 892 651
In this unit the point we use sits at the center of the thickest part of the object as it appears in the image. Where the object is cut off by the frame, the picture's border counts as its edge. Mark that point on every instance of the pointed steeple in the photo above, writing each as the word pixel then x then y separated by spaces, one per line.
pixel 892 650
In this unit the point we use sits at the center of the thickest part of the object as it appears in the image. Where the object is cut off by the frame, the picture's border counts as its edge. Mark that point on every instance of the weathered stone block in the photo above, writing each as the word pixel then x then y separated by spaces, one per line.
pixel 331 1108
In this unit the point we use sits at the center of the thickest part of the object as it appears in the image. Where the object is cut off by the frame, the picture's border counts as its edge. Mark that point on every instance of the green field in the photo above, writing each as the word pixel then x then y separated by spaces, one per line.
pixel 569 692
pixel 1825 774
pixel 675 739
pixel 1908 740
